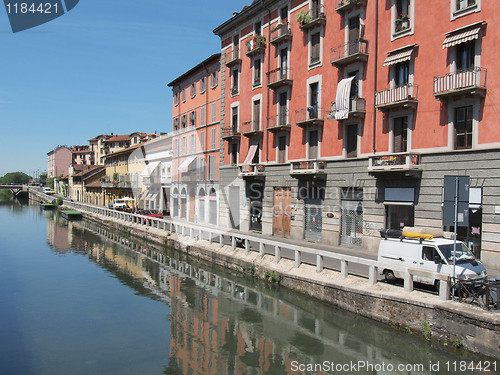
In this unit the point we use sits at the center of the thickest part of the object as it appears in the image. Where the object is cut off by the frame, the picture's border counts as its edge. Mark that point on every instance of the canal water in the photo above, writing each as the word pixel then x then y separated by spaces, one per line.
pixel 77 299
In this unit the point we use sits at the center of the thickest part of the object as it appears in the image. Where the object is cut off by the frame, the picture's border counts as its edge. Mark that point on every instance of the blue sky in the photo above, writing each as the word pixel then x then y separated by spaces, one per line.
pixel 102 67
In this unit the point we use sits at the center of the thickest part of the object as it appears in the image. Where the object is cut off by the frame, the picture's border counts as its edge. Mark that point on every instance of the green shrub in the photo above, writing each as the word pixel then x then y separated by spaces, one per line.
pixel 59 201
pixel 426 329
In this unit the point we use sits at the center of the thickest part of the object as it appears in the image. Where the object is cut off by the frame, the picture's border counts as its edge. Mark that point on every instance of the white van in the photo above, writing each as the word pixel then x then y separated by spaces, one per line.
pixel 434 255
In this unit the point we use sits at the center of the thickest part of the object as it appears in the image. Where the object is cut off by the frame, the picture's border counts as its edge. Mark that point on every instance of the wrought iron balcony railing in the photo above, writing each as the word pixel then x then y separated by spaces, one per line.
pixel 356 50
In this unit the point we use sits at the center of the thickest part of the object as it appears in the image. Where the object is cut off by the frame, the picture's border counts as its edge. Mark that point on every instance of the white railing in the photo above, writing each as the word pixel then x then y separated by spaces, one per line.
pixel 452 82
pixel 274 247
pixel 396 94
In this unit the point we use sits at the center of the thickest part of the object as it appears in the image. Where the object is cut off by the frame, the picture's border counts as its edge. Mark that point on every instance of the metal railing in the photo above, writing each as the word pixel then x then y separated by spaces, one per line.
pixel 457 81
pixel 281 32
pixel 250 126
pixel 280 74
pixel 233 55
pixel 309 114
pixel 394 161
pixel 396 94
pixel 358 46
pixel 483 294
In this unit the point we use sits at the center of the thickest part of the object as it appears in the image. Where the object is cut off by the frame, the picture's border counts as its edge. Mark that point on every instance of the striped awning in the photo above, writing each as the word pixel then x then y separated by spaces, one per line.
pixel 398 56
pixel 455 38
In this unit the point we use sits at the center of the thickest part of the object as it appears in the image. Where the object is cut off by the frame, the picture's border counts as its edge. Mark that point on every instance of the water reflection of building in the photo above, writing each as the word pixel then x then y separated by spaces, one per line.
pixel 58 232
pixel 220 324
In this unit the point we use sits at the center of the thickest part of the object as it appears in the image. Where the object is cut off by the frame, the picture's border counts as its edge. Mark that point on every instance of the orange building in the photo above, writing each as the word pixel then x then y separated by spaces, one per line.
pixel 343 117
pixel 196 142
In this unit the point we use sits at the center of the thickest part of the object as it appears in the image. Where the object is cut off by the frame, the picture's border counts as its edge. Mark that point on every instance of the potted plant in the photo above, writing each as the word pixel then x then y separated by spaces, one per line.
pixel 234 90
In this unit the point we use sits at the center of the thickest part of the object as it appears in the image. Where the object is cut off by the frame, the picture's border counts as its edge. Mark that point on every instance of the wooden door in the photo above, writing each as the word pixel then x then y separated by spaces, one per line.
pixel 282 211
pixel 313 144
pixel 351 140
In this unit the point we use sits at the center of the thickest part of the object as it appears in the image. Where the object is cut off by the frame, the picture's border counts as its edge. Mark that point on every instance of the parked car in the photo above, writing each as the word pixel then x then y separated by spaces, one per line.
pixel 48 191
pixel 150 213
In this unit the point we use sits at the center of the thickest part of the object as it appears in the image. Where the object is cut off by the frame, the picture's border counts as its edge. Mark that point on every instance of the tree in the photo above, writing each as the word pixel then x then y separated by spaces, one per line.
pixel 15 178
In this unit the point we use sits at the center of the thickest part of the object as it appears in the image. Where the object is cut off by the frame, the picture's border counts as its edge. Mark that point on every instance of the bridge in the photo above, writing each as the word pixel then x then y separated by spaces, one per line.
pixel 16 189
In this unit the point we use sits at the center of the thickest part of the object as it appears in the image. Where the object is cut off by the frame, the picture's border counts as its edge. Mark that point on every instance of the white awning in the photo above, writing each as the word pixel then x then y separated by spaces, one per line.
pixel 248 159
pixel 342 100
pixel 150 167
pixel 462 35
pixel 398 56
pixel 153 197
pixel 186 163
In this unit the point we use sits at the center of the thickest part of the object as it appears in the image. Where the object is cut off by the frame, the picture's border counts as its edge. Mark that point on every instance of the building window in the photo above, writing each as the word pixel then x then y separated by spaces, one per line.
pixel 466 53
pixel 176 147
pixel 183 123
pixel 213 138
pixel 192 120
pixel 235 74
pixel 183 92
pixel 202 116
pixel 193 89
pixel 402 73
pixel 313 109
pixel 213 80
pixel 258 28
pixel 234 119
pixel 282 149
pixel 284 15
pixel 256 115
pixel 183 146
pixel 211 167
pixel 176 99
pixel 176 125
pixel 203 85
pixel 400 132
pixel 400 216
pixel 463 127
pixel 234 153
pixel 214 112
pixel 202 141
pixel 315 57
pixel 462 7
pixel 192 144
pixel 282 109
pixel 257 71
pixel 402 17
pixel 351 140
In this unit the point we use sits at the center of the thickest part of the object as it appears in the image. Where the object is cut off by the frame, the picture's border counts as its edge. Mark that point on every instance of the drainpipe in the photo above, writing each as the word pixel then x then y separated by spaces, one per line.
pixel 267 74
pixel 375 81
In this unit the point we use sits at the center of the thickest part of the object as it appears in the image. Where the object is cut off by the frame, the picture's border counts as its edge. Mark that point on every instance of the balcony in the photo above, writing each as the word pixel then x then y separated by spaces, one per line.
pixel 251 128
pixel 350 52
pixel 279 77
pixel 254 170
pixel 233 56
pixel 357 108
pixel 345 5
pixel 312 17
pixel 229 134
pixel 281 33
pixel 307 167
pixel 309 116
pixel 279 123
pixel 403 96
pixel 472 82
pixel 408 162
pixel 256 45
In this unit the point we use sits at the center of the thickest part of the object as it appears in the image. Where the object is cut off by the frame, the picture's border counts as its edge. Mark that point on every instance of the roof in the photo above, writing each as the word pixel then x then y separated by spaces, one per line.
pixel 211 59
pixel 118 138
pixel 246 13
pixel 100 136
